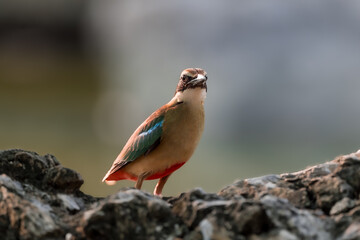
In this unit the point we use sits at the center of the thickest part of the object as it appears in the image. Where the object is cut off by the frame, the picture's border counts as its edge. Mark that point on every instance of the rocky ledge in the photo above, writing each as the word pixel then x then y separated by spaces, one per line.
pixel 40 199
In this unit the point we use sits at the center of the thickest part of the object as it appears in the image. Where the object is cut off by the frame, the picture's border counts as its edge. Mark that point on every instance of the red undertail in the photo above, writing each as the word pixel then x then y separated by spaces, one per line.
pixel 121 175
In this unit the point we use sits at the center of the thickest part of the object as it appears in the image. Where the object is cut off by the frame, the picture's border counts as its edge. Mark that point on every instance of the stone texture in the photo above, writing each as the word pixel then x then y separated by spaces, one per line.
pixel 129 215
pixel 40 199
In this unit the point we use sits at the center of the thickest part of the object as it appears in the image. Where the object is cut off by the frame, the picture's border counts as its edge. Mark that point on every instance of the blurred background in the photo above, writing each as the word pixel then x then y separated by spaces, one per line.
pixel 78 77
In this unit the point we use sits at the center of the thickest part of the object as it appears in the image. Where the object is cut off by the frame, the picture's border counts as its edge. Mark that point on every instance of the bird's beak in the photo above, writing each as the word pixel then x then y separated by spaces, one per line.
pixel 200 79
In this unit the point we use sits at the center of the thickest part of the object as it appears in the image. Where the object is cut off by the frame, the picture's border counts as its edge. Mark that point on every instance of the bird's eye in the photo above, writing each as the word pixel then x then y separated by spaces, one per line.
pixel 183 77
pixel 206 77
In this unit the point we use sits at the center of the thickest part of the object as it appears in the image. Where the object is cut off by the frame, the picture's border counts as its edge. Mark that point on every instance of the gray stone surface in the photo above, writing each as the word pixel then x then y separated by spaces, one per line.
pixel 40 199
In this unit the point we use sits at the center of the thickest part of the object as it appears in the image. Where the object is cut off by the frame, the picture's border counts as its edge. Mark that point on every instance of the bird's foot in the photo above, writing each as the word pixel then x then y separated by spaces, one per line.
pixel 158 194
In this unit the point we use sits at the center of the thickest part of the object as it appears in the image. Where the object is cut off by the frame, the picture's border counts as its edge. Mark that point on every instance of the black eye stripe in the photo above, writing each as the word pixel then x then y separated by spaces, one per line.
pixel 186 77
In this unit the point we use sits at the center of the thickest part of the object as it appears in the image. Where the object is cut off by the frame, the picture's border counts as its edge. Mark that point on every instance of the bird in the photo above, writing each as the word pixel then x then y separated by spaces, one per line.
pixel 166 140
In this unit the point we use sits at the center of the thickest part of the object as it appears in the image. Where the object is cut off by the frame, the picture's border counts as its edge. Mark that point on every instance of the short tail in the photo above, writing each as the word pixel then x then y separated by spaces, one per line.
pixel 108 182
pixel 106 176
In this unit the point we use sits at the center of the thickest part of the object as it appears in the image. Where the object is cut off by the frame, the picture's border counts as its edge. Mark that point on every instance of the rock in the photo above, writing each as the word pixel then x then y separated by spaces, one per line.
pixel 352 232
pixel 32 205
pixel 25 218
pixel 329 190
pixel 131 215
pixel 43 172
pixel 63 179
pixel 303 224
pixel 343 205
pixel 40 199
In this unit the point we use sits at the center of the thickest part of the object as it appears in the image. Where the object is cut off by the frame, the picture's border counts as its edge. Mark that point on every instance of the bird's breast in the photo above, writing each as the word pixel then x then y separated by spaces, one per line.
pixel 183 127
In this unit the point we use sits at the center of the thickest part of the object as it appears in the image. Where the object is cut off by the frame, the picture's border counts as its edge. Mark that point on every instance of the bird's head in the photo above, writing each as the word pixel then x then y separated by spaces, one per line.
pixel 192 78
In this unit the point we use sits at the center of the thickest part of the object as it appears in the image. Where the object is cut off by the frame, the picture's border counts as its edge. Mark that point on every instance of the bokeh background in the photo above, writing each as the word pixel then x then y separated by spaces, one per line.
pixel 77 77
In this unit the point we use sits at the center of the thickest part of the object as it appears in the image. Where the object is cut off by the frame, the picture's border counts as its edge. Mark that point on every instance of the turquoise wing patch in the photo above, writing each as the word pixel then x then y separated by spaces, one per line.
pixel 148 139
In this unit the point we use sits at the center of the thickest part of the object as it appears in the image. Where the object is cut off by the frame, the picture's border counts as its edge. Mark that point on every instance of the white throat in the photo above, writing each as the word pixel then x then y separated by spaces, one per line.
pixel 191 95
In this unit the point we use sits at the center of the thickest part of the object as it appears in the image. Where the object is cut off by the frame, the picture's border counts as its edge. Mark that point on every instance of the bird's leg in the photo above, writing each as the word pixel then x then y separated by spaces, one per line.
pixel 140 179
pixel 160 185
